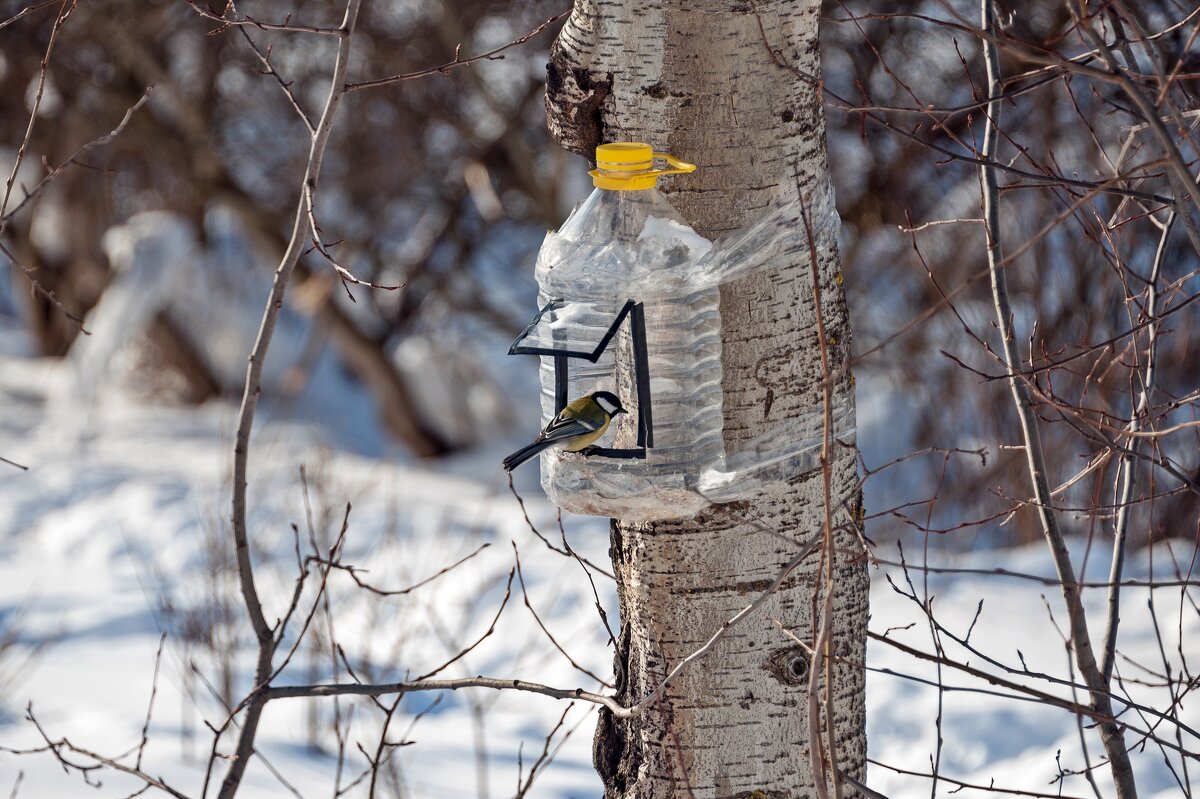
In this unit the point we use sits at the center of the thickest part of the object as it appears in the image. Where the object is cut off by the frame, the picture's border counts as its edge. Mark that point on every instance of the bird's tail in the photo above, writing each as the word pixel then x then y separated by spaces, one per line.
pixel 525 453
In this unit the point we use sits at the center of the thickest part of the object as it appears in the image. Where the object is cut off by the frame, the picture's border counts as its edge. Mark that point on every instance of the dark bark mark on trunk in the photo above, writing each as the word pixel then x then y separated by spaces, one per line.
pixel 616 760
pixel 611 754
pixel 574 102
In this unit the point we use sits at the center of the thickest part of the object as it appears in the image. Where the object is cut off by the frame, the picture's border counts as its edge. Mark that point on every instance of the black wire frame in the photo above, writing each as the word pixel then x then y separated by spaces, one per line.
pixel 518 348
pixel 636 313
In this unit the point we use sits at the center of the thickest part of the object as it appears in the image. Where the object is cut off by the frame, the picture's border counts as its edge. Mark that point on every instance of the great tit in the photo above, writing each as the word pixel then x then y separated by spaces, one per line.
pixel 576 427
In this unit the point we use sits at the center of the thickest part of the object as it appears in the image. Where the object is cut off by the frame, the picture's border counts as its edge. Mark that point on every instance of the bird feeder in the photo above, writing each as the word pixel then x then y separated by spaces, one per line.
pixel 558 332
pixel 630 303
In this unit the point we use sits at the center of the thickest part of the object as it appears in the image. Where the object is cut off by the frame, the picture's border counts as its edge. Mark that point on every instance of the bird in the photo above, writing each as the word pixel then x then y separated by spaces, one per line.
pixel 576 427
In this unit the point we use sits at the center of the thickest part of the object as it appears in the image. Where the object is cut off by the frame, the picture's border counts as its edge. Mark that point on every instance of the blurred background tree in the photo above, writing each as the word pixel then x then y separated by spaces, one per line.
pixel 447 183
pixel 442 184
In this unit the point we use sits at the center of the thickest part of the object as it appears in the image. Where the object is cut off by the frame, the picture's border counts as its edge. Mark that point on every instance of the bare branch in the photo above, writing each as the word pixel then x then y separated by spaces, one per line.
pixel 822 654
pixel 344 274
pixel 62 747
pixel 412 686
pixel 541 624
pixel 37 287
pixel 1128 465
pixel 486 633
pixel 450 66
pixel 64 12
pixel 100 141
pixel 162 639
pixel 566 552
pixel 546 756
pixel 252 391
pixel 27 10
pixel 1110 733
pixel 354 573
pixel 975 786
pixel 284 85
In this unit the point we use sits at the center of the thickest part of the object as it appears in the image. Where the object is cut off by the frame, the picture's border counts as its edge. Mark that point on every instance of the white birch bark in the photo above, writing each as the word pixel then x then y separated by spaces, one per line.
pixel 695 79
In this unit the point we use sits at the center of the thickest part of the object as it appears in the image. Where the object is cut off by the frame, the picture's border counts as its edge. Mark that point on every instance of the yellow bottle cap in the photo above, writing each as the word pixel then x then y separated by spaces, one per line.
pixel 629 166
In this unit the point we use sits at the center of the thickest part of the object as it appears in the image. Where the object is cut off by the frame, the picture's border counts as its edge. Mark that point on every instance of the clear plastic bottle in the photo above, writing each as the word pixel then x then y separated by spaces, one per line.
pixel 627 247
pixel 626 242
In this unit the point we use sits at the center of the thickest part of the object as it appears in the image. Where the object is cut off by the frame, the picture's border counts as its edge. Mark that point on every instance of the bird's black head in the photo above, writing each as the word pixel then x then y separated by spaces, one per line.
pixel 609 401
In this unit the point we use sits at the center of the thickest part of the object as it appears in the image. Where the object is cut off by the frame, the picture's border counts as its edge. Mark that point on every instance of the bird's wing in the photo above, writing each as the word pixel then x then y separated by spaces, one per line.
pixel 565 427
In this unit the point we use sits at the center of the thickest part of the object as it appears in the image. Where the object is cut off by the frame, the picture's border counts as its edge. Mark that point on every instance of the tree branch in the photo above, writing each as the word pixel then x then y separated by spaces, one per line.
pixel 1129 461
pixel 253 389
pixel 1110 733
pixel 449 66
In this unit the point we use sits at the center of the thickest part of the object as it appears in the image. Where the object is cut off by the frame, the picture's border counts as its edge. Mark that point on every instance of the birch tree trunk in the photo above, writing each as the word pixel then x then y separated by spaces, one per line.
pixel 698 80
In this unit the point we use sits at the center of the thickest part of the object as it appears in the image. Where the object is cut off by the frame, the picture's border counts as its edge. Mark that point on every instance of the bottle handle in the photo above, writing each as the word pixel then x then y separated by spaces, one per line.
pixel 621 177
pixel 678 167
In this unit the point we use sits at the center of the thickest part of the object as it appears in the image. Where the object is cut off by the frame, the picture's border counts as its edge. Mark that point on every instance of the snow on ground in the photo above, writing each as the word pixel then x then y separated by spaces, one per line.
pixel 997 739
pixel 118 533
pixel 108 539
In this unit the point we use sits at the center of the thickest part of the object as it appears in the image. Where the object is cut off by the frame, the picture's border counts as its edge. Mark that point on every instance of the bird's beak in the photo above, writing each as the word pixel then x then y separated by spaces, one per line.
pixel 620 410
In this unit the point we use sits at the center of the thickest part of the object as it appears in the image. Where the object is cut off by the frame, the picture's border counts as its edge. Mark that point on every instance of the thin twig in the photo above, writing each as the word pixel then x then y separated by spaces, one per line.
pixel 345 275
pixel 1128 463
pixel 449 66
pixel 1183 183
pixel 355 571
pixel 544 757
pixel 1020 687
pixel 937 222
pixel 1109 186
pixel 567 552
pixel 1053 581
pixel 284 85
pixel 822 659
pixel 412 686
pixel 486 633
pixel 618 710
pixel 62 747
pixel 961 785
pixel 236 21
pixel 75 157
pixel 542 625
pixel 64 12
pixel 27 10
pixel 162 639
pixel 14 464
